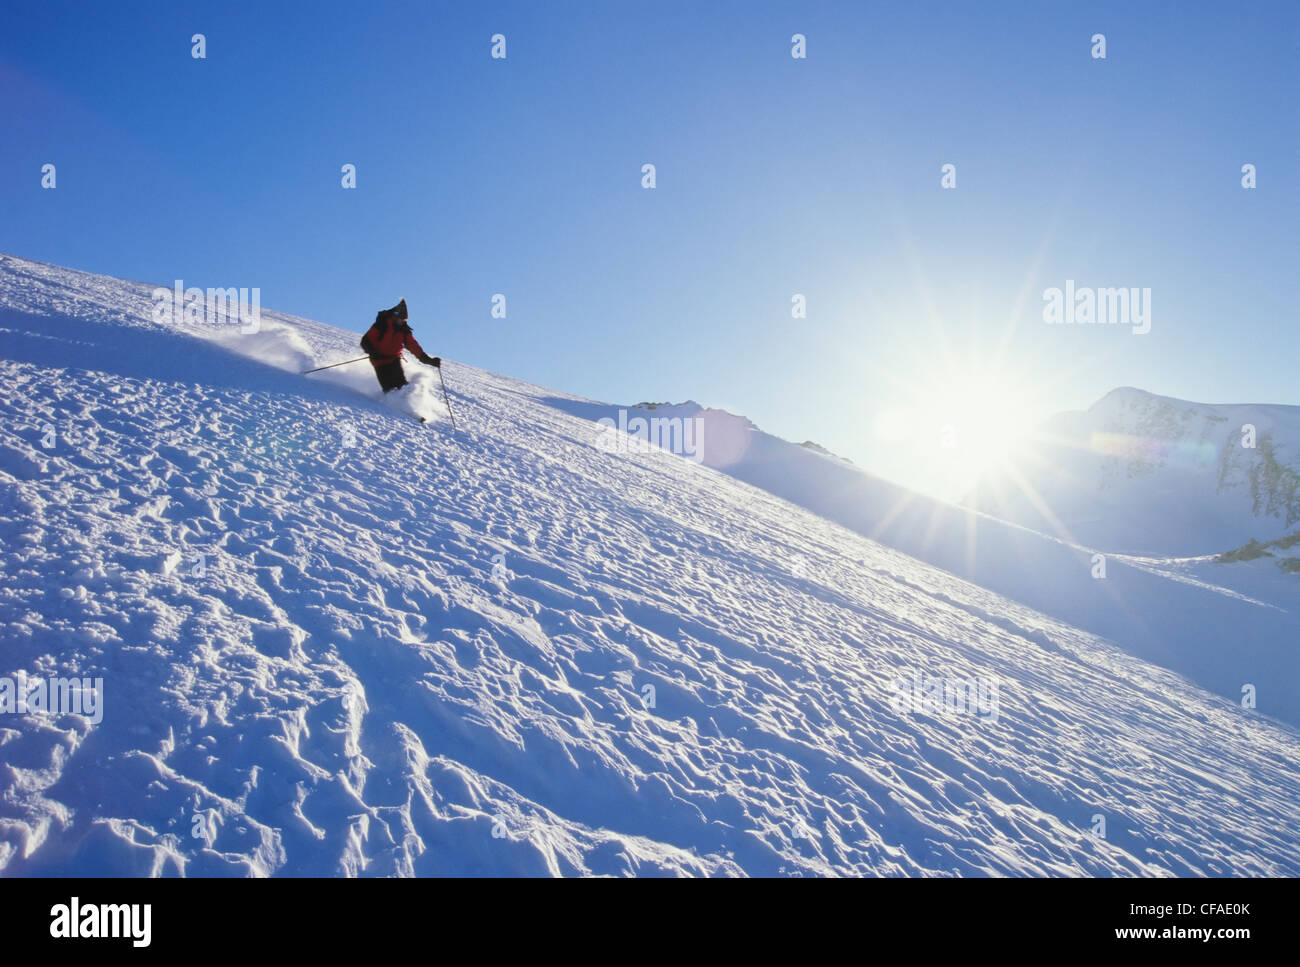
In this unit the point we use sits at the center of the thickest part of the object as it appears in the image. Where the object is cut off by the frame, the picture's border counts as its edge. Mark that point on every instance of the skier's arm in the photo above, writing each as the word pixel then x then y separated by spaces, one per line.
pixel 419 353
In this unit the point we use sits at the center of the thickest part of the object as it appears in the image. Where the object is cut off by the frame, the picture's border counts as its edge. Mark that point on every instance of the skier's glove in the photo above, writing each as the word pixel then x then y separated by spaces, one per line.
pixel 432 361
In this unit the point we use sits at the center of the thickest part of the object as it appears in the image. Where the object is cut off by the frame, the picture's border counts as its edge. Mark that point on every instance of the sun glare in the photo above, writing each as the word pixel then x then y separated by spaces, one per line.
pixel 961 427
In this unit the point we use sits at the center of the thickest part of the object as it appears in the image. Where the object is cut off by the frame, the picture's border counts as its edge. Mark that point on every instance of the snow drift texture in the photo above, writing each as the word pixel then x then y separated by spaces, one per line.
pixel 507 650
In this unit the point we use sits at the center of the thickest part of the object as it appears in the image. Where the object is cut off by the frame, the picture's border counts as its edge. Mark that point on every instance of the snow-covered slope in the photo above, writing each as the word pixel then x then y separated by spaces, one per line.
pixel 1171 611
pixel 1148 474
pixel 507 650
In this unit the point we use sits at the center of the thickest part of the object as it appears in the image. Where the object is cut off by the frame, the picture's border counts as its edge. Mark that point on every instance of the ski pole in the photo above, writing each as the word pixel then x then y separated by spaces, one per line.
pixel 332 365
pixel 445 398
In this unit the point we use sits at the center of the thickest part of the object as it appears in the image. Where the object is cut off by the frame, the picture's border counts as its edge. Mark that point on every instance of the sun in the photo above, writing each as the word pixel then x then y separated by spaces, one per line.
pixel 962 425
pixel 983 419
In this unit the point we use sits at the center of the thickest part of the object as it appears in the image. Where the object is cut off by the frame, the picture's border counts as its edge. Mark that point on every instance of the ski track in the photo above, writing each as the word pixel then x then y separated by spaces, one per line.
pixel 355 685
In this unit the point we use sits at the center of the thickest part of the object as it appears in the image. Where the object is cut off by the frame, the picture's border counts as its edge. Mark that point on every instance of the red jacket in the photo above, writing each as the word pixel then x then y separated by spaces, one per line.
pixel 385 340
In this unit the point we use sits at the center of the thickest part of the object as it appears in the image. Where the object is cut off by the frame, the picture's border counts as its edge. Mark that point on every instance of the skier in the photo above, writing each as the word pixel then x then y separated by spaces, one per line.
pixel 384 341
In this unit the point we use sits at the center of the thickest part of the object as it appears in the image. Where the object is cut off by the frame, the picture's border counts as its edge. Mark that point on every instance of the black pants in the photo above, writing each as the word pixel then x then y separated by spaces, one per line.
pixel 391 375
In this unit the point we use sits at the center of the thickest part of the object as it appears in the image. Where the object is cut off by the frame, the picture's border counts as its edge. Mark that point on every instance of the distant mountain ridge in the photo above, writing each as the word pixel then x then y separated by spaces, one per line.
pixel 1142 473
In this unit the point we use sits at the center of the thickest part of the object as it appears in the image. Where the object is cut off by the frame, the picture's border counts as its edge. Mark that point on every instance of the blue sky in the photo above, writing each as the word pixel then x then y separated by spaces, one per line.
pixel 775 176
